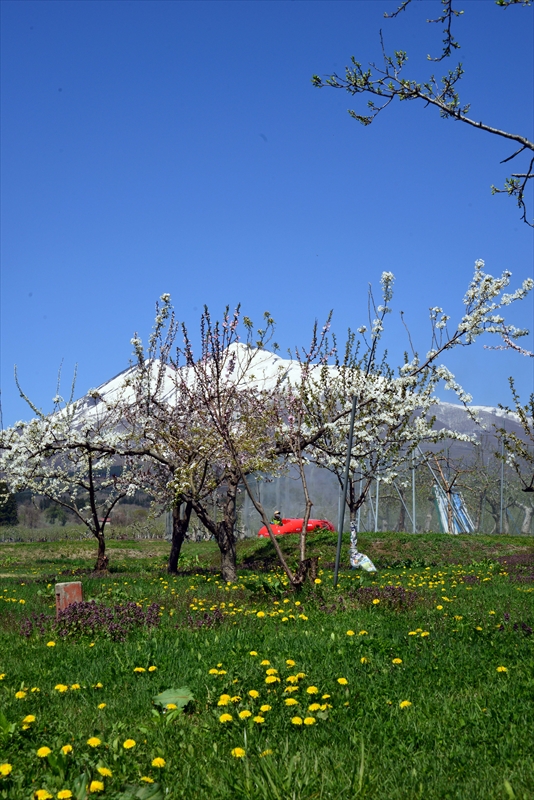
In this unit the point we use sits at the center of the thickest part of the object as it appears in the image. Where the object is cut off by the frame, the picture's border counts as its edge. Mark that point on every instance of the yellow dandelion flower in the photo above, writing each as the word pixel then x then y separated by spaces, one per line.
pixel 259 719
pixel 312 690
pixel 309 720
pixel 397 661
pixel 238 752
pixel 94 741
pixel 296 720
pixel 412 633
pixel 139 669
pixel 376 601
pixel 152 668
pixel 50 644
pixel 266 753
pixel 146 779
pixel 128 744
pixel 290 701
pixel 60 687
pixel 5 769
pixel 260 614
pixel 363 633
pixel 213 672
pixel 271 671
pixel 64 794
pixel 363 660
pixel 265 708
pixel 171 706
pixel 253 693
pixel 104 771
pixel 271 679
pixel 225 718
pixel 425 633
pixel 66 749
pixel 43 752
pixel 101 706
pixel 342 681
pixel 75 686
pixel 290 662
pixel 325 697
pixel 440 608
pixel 42 794
pixel 96 786
pixel 224 699
pixel 27 720
pixel 314 707
pixel 502 669
pixel 404 704
pixel 253 653
pixel 317 581
pixel 158 762
pixel 265 663
pixel 245 714
pixel 20 695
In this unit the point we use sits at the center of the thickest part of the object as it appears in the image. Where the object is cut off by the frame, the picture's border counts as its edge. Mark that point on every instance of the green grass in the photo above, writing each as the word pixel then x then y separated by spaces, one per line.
pixel 468 733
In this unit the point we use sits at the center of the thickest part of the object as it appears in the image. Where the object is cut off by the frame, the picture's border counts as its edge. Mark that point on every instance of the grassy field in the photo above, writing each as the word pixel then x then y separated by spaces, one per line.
pixel 416 682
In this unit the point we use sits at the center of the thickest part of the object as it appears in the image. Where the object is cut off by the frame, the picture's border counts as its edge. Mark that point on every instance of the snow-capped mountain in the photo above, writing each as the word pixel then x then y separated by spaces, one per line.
pixel 264 370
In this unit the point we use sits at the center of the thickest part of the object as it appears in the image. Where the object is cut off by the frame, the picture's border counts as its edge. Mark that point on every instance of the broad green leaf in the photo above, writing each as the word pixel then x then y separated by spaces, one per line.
pixel 180 697
pixel 150 792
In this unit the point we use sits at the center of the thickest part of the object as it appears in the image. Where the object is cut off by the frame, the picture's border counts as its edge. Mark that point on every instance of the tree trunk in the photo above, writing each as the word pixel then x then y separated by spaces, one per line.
pixel 401 523
pixel 226 540
pixel 307 513
pixel 480 508
pixel 527 519
pixel 223 531
pixel 102 561
pixel 306 568
pixel 179 529
pixel 450 518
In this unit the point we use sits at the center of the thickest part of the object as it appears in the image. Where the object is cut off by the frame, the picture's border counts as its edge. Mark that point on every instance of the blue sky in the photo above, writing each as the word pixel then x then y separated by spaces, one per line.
pixel 180 147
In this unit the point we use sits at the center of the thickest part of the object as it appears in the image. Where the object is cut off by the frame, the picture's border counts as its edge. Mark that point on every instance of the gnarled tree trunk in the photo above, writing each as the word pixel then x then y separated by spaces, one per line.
pixel 224 531
pixel 180 525
pixel 102 561
pixel 225 538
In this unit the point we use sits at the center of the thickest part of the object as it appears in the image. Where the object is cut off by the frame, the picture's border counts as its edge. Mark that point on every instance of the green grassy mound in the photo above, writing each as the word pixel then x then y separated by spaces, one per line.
pixel 416 682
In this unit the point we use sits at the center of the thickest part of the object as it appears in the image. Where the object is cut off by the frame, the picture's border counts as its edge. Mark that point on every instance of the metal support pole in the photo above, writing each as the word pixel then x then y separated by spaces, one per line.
pixel 502 487
pixel 358 515
pixel 376 505
pixel 341 516
pixel 414 526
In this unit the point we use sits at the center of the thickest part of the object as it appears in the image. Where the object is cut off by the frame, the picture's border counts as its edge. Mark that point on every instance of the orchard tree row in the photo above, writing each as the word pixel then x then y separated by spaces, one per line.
pixel 184 426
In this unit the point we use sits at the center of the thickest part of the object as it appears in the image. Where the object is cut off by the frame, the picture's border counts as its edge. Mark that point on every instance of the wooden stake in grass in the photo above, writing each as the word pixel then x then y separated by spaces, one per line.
pixel 66 594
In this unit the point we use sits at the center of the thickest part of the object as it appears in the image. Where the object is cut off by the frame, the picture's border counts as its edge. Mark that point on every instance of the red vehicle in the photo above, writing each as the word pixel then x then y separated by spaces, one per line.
pixel 295 526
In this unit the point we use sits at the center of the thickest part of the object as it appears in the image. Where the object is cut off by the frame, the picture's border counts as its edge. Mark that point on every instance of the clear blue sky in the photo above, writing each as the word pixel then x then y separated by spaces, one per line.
pixel 180 147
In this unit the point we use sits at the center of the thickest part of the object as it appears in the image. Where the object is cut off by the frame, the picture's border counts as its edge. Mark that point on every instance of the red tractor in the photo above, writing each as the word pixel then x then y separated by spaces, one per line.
pixel 295 526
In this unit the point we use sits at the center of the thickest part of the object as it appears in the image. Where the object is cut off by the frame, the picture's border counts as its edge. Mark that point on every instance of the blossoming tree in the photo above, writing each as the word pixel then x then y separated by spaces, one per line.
pixel 69 456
